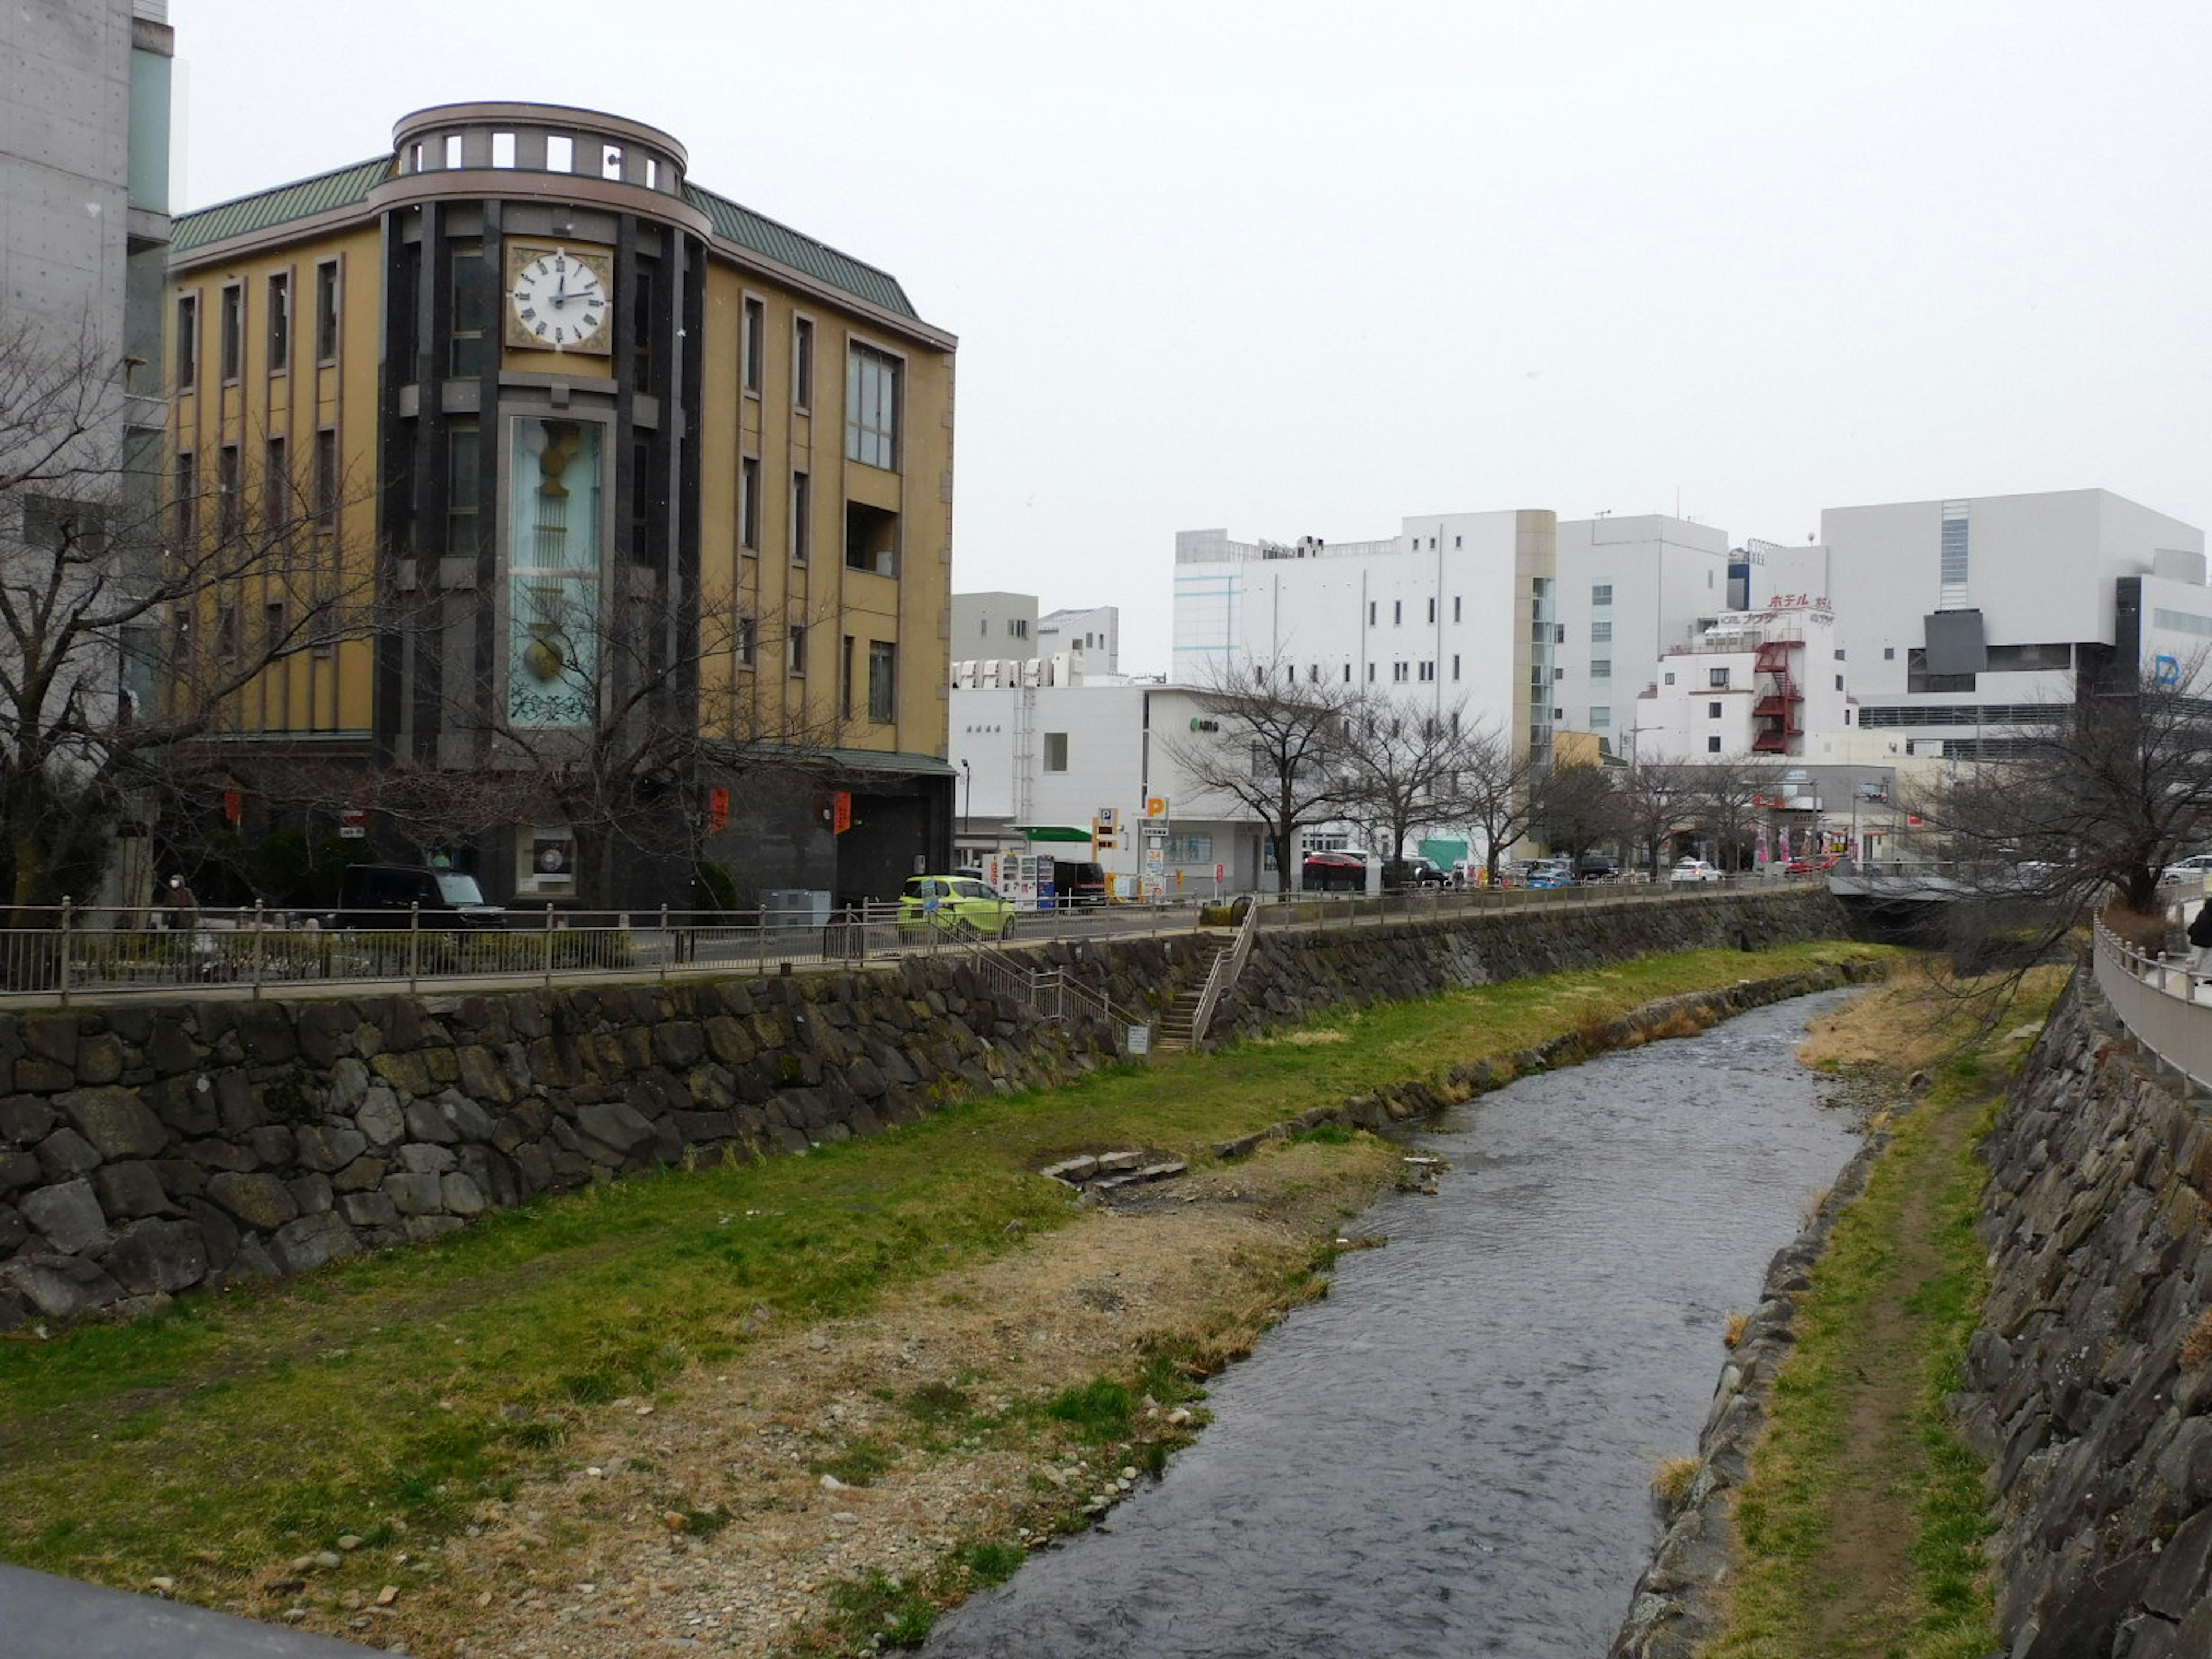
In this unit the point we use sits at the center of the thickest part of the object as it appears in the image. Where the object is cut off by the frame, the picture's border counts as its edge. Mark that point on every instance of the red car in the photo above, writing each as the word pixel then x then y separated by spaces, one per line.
pixel 1335 872
pixel 1812 866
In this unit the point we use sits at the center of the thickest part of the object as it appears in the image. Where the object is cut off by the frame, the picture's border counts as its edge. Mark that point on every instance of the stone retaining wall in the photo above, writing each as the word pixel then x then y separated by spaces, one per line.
pixel 146 1150
pixel 2089 1387
pixel 1291 974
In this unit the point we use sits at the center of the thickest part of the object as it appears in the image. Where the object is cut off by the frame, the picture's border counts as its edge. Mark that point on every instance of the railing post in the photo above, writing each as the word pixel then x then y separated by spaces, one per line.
pixel 68 916
pixel 668 944
pixel 258 919
pixel 414 941
pixel 549 945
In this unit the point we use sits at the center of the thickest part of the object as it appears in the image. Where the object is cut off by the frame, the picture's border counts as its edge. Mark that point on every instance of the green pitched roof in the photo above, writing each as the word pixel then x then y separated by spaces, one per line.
pixel 349 186
pixel 303 199
pixel 786 246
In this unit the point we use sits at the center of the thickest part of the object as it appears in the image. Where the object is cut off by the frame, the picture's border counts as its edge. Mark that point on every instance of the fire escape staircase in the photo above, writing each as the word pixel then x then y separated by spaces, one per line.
pixel 1779 701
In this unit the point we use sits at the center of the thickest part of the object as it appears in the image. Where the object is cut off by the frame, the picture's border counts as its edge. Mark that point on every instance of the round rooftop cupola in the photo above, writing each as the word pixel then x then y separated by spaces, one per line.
pixel 542 138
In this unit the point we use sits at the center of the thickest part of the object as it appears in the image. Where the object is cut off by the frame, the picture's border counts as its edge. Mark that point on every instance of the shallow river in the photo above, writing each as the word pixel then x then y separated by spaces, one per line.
pixel 1450 1454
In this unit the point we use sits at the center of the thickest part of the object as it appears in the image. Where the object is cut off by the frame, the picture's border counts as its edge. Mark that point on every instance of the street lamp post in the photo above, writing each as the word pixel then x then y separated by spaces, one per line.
pixel 967 795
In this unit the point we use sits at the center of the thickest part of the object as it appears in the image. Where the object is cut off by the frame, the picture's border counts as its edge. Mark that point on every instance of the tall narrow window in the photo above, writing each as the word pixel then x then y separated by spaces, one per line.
pixel 883 681
pixel 188 505
pixel 845 680
pixel 802 517
pixel 1055 751
pixel 228 481
pixel 234 327
pixel 797 641
pixel 1455 607
pixel 872 408
pixel 326 311
pixel 756 344
pixel 802 363
pixel 276 489
pixel 747 642
pixel 188 341
pixel 326 481
pixel 642 289
pixel 464 486
pixel 280 322
pixel 1951 593
pixel 226 631
pixel 749 504
pixel 471 306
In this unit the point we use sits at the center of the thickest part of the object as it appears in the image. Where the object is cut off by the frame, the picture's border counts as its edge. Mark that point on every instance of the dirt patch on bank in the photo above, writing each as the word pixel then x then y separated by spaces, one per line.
pixel 703 1518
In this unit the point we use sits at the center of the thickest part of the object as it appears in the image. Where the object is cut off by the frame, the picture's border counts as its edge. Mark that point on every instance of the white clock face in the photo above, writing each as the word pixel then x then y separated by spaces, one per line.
pixel 560 301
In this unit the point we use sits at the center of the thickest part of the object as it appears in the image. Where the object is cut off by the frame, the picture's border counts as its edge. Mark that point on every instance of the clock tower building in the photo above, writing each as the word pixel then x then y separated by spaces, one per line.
pixel 637 504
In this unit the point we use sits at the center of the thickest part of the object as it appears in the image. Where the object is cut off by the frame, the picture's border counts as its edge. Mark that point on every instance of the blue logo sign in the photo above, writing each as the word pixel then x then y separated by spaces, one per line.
pixel 2165 670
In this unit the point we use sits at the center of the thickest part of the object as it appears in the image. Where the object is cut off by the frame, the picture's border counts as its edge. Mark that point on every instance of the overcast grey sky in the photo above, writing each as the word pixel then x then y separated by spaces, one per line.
pixel 1302 268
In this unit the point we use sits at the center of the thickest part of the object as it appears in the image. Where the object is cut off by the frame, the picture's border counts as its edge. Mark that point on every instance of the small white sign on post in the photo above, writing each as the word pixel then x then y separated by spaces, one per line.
pixel 1140 1039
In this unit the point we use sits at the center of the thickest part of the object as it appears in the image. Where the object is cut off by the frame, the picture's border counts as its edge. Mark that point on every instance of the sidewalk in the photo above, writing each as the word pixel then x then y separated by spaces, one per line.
pixel 49 1618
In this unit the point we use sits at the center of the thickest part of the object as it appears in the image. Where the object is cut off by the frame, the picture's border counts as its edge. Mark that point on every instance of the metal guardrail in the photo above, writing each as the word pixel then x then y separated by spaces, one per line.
pixel 2166 1006
pixel 71 953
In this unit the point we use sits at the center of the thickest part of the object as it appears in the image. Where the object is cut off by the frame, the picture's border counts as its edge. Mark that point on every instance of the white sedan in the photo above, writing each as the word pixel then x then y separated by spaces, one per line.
pixel 1692 870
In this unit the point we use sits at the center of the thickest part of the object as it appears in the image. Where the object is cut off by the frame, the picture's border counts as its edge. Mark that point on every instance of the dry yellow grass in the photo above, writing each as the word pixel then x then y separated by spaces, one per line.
pixel 1914 1022
pixel 1732 1333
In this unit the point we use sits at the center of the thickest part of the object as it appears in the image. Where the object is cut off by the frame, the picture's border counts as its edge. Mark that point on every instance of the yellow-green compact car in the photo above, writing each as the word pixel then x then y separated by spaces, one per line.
pixel 958 905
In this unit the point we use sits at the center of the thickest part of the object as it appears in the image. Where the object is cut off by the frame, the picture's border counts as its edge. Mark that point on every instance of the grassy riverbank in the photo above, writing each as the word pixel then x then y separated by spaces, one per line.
pixel 614 1412
pixel 1860 1527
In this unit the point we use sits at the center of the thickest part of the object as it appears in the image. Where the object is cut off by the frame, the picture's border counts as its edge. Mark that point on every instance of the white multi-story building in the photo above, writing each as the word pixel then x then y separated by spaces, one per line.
pixel 1095 633
pixel 1960 617
pixel 1745 683
pixel 1455 614
pixel 1515 619
pixel 994 624
pixel 1629 589
pixel 1061 756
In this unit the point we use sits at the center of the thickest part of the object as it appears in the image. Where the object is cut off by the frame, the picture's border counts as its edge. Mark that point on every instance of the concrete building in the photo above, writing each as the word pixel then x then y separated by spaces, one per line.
pixel 1068 755
pixel 84 222
pixel 1959 617
pixel 1745 683
pixel 1630 589
pixel 1456 613
pixel 994 624
pixel 628 458
pixel 84 182
pixel 1095 632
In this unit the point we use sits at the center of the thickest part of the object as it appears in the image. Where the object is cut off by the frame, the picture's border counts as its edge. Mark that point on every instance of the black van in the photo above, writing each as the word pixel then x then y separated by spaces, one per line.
pixel 382 895
pixel 1078 883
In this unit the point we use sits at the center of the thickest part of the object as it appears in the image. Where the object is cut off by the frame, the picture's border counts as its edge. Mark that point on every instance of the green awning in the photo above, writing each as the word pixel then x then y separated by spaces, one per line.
pixel 1051 832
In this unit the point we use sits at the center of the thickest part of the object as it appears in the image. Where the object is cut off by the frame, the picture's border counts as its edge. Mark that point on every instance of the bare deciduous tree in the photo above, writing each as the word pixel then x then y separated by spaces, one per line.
pixel 1282 751
pixel 1656 797
pixel 1725 795
pixel 1403 773
pixel 1576 808
pixel 138 606
pixel 1498 793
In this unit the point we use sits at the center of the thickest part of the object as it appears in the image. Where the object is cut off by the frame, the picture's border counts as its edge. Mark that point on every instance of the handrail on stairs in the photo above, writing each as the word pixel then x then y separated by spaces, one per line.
pixel 1228 964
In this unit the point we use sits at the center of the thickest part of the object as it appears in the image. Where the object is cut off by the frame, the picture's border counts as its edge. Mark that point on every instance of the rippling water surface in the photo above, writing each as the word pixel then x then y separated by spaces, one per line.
pixel 1449 1455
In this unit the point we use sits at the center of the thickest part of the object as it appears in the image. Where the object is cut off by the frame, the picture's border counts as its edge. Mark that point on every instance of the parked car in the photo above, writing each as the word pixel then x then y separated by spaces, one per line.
pixel 1076 883
pixel 1597 867
pixel 1817 865
pixel 1416 872
pixel 386 895
pixel 1335 872
pixel 1550 873
pixel 1692 870
pixel 2195 867
pixel 958 905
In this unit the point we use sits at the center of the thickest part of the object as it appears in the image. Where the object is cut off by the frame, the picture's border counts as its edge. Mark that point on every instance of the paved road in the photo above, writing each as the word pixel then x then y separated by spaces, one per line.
pixel 43 1617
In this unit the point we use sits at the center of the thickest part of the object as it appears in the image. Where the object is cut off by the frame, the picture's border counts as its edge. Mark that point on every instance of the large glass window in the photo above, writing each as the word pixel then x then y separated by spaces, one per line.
pixel 1951 593
pixel 553 572
pixel 872 408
